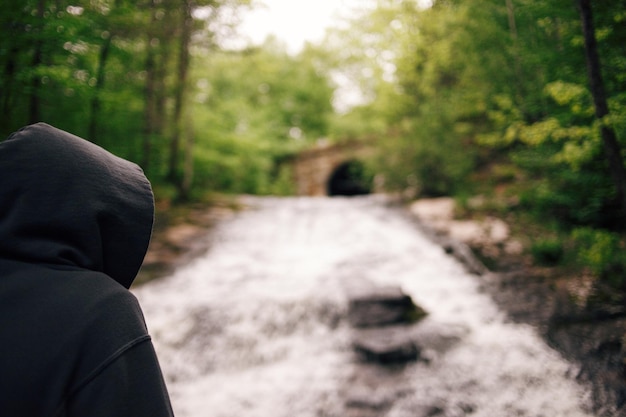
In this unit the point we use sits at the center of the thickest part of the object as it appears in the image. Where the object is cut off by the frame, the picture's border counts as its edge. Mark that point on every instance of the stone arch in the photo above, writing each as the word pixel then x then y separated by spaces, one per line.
pixel 349 178
pixel 314 169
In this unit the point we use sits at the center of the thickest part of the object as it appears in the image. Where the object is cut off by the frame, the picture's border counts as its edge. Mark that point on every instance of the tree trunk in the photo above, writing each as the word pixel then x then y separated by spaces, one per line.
pixel 609 138
pixel 35 101
pixel 511 15
pixel 519 81
pixel 149 116
pixel 95 101
pixel 7 91
pixel 179 101
pixel 148 112
pixel 185 188
pixel 161 88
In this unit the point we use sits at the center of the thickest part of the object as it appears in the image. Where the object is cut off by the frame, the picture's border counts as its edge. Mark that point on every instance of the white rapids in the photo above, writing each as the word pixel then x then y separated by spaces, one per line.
pixel 257 326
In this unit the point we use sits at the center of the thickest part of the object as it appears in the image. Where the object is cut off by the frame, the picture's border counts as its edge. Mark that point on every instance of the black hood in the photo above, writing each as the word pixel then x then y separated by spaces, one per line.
pixel 68 203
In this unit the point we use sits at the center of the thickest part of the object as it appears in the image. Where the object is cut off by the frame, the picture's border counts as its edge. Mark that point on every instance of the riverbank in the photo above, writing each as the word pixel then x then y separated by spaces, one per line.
pixel 553 300
pixel 567 306
pixel 181 233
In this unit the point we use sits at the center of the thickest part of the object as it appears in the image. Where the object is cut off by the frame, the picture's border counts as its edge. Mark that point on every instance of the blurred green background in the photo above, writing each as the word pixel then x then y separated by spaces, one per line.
pixel 461 98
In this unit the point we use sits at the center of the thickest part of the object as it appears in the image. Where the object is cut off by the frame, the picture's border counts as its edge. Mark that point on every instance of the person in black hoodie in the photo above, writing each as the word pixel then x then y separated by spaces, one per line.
pixel 75 223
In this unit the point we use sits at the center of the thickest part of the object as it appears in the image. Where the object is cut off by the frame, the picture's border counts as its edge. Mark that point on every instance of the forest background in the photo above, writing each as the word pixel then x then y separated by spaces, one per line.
pixel 519 101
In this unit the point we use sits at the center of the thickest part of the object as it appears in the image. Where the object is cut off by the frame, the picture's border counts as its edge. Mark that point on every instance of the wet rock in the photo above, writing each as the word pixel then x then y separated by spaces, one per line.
pixel 361 412
pixel 388 345
pixel 367 400
pixel 441 409
pixel 430 411
pixel 372 390
pixel 380 306
pixel 436 338
pixel 464 254
pixel 382 318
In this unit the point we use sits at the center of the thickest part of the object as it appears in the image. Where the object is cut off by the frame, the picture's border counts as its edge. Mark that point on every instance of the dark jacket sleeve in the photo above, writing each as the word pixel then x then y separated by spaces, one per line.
pixel 130 386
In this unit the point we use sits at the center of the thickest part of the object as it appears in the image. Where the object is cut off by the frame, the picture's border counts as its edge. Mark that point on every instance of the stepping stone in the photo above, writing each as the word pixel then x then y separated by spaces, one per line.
pixel 379 306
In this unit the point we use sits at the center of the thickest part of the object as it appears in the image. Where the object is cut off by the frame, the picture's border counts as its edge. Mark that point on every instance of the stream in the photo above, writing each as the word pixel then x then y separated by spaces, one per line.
pixel 257 325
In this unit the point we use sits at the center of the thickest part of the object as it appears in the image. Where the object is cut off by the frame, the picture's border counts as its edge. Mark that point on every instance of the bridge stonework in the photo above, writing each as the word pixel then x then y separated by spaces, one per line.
pixel 313 168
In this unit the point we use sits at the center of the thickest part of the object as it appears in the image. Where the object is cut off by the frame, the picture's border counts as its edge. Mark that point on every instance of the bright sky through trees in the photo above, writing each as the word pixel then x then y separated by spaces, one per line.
pixel 294 22
pixel 298 21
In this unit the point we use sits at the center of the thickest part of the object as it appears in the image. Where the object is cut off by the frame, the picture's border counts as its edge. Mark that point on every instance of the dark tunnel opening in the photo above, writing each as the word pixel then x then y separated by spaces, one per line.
pixel 349 178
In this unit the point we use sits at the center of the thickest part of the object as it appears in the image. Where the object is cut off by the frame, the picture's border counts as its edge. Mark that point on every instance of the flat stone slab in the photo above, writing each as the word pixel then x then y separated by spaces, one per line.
pixel 379 306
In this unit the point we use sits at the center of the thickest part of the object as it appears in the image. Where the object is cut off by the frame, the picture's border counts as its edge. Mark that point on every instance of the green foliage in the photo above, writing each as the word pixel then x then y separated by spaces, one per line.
pixel 603 253
pixel 252 109
pixel 438 165
pixel 438 85
pixel 572 198
pixel 548 252
pixel 282 183
pixel 417 93
pixel 104 70
pixel 547 121
pixel 108 71
pixel 574 95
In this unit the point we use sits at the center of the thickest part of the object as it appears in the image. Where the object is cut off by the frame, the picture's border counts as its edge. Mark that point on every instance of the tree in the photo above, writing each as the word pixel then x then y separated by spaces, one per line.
pixel 180 90
pixel 609 138
pixel 35 104
pixel 188 24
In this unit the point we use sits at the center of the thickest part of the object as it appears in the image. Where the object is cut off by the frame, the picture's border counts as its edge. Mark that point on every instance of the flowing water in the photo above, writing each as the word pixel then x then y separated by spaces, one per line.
pixel 257 326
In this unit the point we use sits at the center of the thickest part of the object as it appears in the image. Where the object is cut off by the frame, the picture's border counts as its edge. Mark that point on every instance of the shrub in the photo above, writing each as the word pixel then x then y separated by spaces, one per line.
pixel 547 252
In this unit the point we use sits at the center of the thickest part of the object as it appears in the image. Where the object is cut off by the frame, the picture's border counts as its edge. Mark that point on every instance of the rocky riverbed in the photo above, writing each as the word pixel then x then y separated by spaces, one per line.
pixel 592 338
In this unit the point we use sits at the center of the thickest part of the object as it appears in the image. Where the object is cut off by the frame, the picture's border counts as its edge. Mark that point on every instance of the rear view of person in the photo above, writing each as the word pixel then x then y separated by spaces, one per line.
pixel 75 223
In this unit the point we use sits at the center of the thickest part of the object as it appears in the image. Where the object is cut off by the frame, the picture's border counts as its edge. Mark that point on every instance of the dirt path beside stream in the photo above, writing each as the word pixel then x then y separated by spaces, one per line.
pixel 181 234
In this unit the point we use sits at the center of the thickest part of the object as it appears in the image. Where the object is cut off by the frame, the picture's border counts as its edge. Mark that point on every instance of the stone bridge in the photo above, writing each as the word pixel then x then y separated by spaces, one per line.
pixel 333 169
